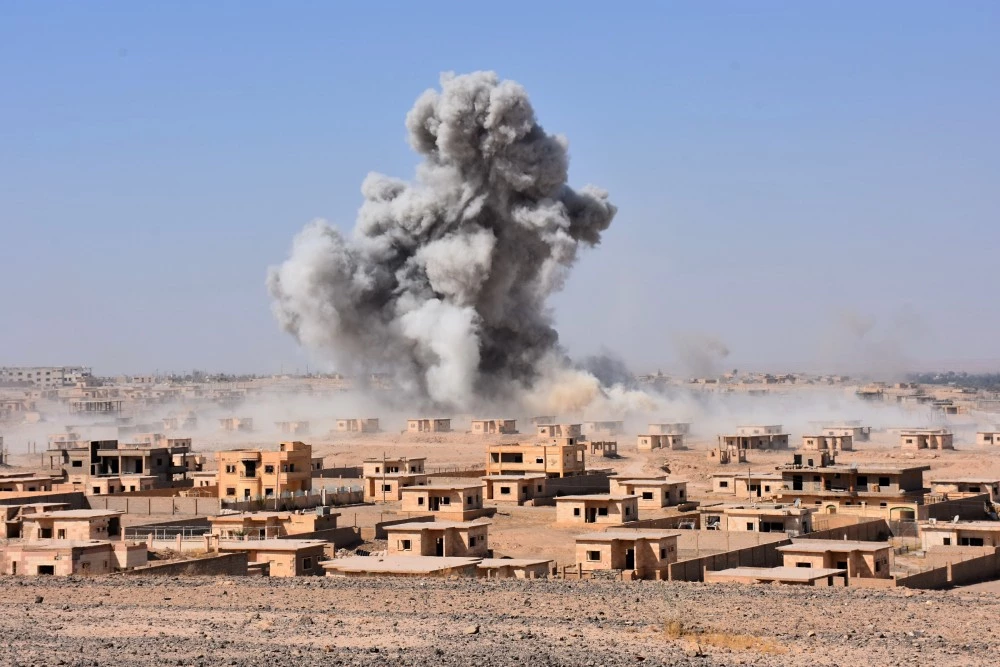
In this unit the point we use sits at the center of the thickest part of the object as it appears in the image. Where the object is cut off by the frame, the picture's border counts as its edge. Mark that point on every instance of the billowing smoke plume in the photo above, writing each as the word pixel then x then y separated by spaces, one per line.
pixel 445 280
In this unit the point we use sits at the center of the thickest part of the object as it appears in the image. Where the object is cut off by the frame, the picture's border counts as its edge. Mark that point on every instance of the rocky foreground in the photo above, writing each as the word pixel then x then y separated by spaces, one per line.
pixel 194 621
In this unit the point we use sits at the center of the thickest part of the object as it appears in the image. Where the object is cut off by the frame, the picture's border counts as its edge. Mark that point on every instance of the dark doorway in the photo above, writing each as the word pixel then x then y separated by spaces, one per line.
pixel 439 546
pixel 46 569
pixel 630 559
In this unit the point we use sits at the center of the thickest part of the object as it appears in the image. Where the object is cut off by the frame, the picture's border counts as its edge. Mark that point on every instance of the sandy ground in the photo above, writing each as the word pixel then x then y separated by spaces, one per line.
pixel 312 621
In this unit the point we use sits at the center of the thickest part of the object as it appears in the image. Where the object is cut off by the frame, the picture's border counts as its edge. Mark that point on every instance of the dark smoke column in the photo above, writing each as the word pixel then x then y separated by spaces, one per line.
pixel 445 280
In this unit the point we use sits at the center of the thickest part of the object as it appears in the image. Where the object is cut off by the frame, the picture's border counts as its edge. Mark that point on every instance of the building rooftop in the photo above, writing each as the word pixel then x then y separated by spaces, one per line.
pixel 434 525
pixel 261 516
pixel 597 496
pixel 515 562
pixel 822 546
pixel 752 475
pixel 268 545
pixel 513 478
pixel 624 534
pixel 796 574
pixel 968 525
pixel 398 564
pixel 443 487
pixel 76 514
pixel 652 482
pixel 965 480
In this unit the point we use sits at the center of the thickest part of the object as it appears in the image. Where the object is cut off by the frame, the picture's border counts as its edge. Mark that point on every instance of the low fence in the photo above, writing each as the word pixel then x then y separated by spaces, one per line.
pixel 970 508
pixel 578 484
pixel 876 530
pixel 693 569
pixel 231 564
pixel 153 505
pixel 348 472
pixel 342 496
pixel 959 573
pixel 456 471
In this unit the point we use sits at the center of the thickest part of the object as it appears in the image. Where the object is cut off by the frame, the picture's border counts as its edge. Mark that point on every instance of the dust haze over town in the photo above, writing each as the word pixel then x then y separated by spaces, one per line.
pixel 387 349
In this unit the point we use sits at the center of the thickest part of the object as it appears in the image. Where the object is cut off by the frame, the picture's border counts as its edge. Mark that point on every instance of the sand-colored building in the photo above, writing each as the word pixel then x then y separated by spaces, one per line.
pixel 252 473
pixel 559 430
pixel 758 518
pixel 402 566
pixel 109 466
pixel 750 485
pixel 284 558
pixel 514 568
pixel 668 428
pixel 859 559
pixel 960 487
pixel 603 508
pixel 428 425
pixel 988 438
pixel 725 454
pixel 648 553
pixel 603 448
pixel 854 429
pixel 439 538
pixel 25 483
pixel 236 424
pixel 828 443
pixel 77 525
pixel 563 458
pixel 385 478
pixel 649 442
pixel 765 436
pixel 653 492
pixel 959 534
pixel 293 427
pixel 265 525
pixel 494 426
pixel 70 557
pixel 453 502
pixel 929 438
pixel 363 425
pixel 513 489
pixel 792 576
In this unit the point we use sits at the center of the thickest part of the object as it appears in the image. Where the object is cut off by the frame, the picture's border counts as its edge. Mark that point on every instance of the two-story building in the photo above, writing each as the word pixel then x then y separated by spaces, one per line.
pixel 453 502
pixel 385 478
pixel 252 473
pixel 563 458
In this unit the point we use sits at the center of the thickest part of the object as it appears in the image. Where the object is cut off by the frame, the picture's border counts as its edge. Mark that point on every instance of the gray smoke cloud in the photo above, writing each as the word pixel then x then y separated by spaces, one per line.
pixel 444 281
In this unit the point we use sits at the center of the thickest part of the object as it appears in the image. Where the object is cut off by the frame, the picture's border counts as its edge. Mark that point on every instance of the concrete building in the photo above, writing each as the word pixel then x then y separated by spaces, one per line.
pixel 251 473
pixel 362 425
pixel 560 459
pixel 828 443
pixel 283 558
pixel 647 553
pixel 950 487
pixel 755 437
pixel 66 558
pixel 428 425
pixel 762 518
pixel 267 525
pixel 465 539
pixel 669 428
pixel 926 438
pixel 494 426
pixel 25 483
pixel 750 485
pixel 854 429
pixel 45 377
pixel 402 566
pixel 649 442
pixel 606 428
pixel 604 508
pixel 293 427
pixel 959 534
pixel 559 430
pixel 78 525
pixel 870 560
pixel 385 478
pixel 892 492
pixel 454 502
pixel 514 489
pixel 236 424
pixel 653 492
pixel 514 568
pixel 607 449
pixel 725 454
pixel 988 438
pixel 109 466
pixel 792 576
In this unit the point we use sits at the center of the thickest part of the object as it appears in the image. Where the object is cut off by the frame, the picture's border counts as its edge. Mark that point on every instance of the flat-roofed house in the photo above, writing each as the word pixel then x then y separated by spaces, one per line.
pixel 385 478
pixel 236 424
pixel 285 558
pixel 651 441
pixel 960 487
pixel 514 568
pixel 604 448
pixel 828 443
pixel 749 485
pixel 767 436
pixel 793 576
pixel 78 525
pixel 854 429
pixel 653 492
pixel 439 538
pixel 514 489
pixel 355 425
pixel 859 559
pixel 402 566
pixel 669 428
pixel 252 473
pixel 264 525
pixel 494 426
pixel 959 534
pixel 760 518
pixel 559 430
pixel 606 428
pixel 647 553
pixel 455 502
pixel 603 508
pixel 25 483
pixel 988 438
pixel 70 557
pixel 560 459
pixel 428 425
pixel 926 438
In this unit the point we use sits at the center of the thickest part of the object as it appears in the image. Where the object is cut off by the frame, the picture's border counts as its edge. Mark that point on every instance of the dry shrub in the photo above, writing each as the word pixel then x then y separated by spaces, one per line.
pixel 674 629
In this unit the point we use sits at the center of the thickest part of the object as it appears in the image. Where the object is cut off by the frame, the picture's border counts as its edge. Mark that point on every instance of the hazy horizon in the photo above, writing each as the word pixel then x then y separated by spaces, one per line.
pixel 808 188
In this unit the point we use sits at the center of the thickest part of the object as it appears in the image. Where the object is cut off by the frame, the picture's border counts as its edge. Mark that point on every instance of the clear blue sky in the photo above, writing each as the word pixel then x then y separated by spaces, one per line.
pixel 783 169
